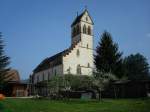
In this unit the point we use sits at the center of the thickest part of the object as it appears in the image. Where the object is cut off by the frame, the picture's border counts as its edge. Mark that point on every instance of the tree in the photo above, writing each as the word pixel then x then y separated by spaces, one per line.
pixel 69 82
pixel 98 82
pixel 101 81
pixel 137 67
pixel 4 62
pixel 108 59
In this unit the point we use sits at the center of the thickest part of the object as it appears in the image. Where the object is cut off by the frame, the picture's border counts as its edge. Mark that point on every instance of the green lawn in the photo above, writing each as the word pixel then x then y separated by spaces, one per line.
pixel 107 105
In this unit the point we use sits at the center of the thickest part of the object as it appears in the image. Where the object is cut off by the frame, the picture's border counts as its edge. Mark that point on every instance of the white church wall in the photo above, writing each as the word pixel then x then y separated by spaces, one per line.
pixel 72 61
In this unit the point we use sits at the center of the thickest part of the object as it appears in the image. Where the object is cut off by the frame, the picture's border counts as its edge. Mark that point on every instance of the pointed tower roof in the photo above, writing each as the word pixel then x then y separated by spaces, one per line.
pixel 78 18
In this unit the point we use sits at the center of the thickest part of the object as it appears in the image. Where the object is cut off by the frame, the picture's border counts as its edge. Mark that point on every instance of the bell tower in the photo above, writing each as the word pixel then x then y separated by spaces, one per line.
pixel 82 30
pixel 79 59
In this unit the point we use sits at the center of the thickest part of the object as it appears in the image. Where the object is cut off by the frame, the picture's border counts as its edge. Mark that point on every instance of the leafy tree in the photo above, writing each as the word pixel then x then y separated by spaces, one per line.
pixel 4 62
pixel 108 58
pixel 137 67
pixel 98 82
pixel 69 82
pixel 101 81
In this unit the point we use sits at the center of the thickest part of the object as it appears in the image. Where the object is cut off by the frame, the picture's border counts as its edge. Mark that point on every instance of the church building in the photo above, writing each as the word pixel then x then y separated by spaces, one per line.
pixel 77 59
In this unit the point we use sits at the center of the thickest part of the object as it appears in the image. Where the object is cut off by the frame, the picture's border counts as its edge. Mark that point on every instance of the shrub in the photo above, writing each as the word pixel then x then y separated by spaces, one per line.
pixel 2 97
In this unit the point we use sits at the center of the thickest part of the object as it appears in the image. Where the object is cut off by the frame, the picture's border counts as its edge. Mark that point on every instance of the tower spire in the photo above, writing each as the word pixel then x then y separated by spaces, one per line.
pixel 77 13
pixel 85 7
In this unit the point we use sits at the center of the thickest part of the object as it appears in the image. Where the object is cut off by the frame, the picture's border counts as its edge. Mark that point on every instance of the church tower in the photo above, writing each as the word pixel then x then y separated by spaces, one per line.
pixel 82 30
pixel 80 58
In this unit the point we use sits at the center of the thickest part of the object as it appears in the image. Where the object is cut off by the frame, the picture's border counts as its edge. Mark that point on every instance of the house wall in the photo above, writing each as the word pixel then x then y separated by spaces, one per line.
pixel 19 90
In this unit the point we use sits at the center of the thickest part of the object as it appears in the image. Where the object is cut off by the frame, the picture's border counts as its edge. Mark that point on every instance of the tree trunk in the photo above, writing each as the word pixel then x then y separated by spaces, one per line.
pixel 100 95
pixel 115 92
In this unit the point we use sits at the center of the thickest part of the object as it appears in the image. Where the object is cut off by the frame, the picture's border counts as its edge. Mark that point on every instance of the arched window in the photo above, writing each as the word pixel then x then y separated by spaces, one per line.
pixel 79 69
pixel 84 29
pixel 78 52
pixel 89 30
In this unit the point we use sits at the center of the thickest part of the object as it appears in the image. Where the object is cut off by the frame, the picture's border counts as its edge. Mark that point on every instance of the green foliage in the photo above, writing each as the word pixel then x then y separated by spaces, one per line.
pixel 70 82
pixel 4 62
pixel 108 58
pixel 137 67
pixel 101 81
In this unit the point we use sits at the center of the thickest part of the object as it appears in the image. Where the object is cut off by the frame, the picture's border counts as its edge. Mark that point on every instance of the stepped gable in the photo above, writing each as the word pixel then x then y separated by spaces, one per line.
pixel 54 60
pixel 70 49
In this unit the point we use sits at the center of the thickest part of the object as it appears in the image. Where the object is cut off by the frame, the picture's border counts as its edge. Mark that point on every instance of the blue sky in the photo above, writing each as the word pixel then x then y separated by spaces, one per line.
pixel 36 29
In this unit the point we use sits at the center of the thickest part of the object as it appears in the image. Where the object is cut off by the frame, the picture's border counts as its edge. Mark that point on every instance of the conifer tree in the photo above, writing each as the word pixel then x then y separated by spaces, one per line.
pixel 108 58
pixel 4 62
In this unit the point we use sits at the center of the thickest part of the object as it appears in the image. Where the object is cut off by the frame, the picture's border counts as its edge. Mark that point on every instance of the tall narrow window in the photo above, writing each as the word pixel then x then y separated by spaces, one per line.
pixel 48 76
pixel 78 52
pixel 87 46
pixel 43 77
pixel 79 69
pixel 84 29
pixel 89 30
pixel 79 29
pixel 37 78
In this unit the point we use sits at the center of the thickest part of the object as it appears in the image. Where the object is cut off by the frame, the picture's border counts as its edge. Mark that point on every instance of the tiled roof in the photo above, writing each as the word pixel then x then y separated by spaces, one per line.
pixel 54 60
pixel 78 18
pixel 50 62
pixel 13 75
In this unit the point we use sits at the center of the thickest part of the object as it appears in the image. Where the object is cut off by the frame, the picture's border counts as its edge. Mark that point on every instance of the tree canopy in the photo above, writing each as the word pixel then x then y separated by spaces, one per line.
pixel 4 62
pixel 108 59
pixel 137 67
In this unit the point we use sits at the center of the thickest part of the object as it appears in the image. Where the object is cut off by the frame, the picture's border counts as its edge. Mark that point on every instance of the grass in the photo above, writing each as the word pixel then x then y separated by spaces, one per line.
pixel 107 105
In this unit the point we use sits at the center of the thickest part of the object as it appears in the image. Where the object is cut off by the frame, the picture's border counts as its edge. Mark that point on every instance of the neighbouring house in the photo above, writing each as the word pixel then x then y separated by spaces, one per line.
pixel 128 89
pixel 15 86
pixel 77 59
